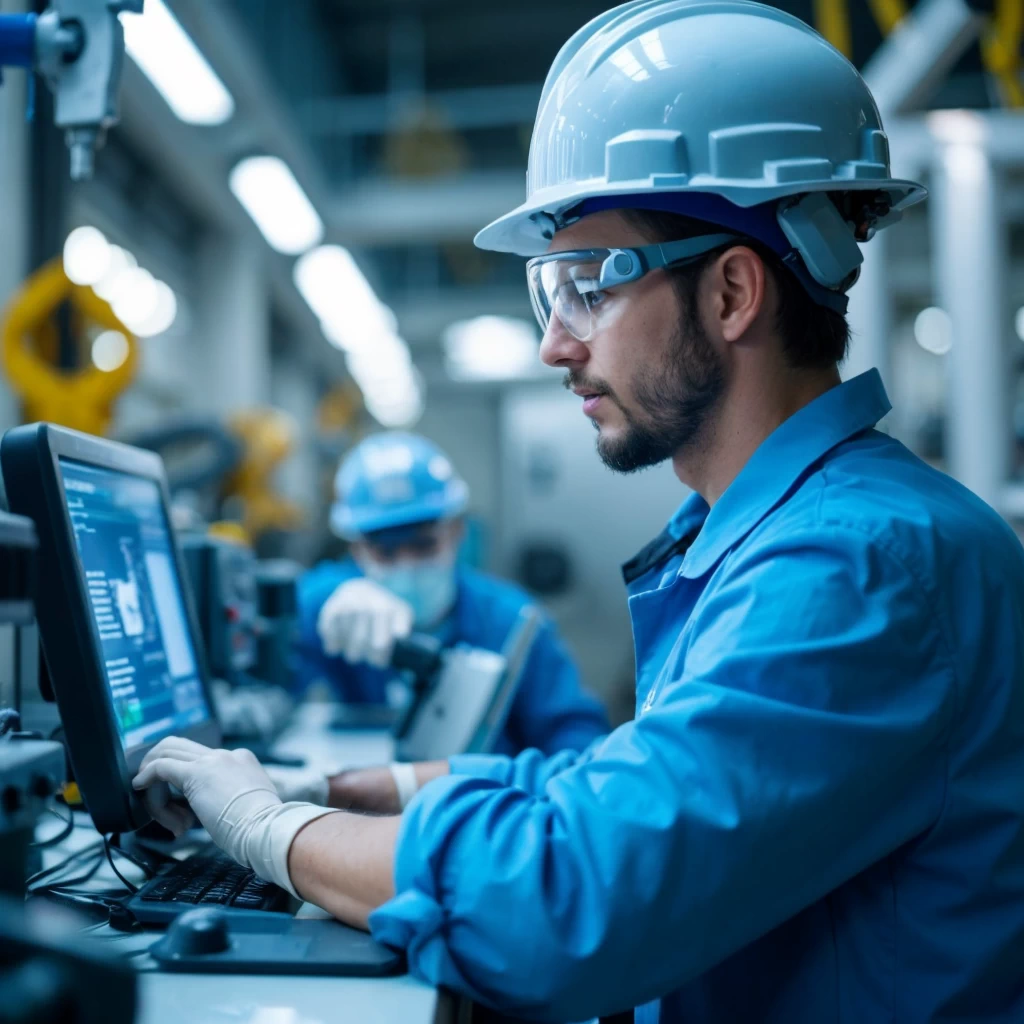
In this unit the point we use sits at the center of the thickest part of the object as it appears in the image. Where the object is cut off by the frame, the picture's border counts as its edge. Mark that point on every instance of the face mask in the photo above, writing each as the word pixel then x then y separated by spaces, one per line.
pixel 428 586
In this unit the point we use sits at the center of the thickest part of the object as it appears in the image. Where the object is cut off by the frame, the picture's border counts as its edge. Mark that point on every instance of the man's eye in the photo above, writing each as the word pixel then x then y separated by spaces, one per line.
pixel 594 298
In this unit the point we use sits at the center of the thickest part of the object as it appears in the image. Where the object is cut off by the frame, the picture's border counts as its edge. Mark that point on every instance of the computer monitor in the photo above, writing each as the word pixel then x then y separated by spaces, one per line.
pixel 117 624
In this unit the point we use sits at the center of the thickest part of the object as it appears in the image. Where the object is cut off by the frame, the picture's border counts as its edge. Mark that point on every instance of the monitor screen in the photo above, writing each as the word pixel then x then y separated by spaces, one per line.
pixel 123 540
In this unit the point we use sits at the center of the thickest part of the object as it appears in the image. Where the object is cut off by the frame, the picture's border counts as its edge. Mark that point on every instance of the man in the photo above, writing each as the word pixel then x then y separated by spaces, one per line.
pixel 400 504
pixel 817 813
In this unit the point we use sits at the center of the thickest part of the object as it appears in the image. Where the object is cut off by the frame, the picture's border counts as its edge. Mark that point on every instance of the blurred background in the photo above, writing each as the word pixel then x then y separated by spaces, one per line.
pixel 275 258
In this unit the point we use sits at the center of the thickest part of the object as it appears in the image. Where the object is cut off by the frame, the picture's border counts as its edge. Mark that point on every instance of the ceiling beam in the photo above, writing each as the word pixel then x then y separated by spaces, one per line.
pixel 382 211
pixel 458 109
pixel 912 62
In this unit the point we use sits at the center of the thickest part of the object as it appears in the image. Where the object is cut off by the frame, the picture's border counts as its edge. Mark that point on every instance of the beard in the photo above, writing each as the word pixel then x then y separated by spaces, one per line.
pixel 674 403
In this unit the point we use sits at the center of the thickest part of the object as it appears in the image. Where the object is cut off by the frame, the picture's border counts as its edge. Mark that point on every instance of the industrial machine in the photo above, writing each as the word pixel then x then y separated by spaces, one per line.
pixel 251 698
pixel 46 974
pixel 77 46
pixel 460 695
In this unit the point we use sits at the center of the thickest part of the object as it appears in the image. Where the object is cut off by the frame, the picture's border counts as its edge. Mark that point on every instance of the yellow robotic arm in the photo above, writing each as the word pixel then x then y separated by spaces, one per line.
pixel 81 399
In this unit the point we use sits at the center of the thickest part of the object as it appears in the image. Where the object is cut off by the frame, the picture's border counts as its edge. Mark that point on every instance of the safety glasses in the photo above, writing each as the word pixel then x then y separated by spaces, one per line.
pixel 573 285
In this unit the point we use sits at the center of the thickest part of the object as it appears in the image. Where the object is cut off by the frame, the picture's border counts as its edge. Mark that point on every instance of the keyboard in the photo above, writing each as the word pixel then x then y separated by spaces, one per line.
pixel 207 878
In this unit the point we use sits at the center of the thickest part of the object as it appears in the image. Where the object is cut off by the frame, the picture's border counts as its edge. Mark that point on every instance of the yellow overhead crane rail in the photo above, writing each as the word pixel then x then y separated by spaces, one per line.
pixel 1000 50
pixel 81 399
pixel 1000 47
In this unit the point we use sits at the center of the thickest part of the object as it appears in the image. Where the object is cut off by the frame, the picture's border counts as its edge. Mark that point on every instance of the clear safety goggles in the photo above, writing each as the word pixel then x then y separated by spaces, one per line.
pixel 572 285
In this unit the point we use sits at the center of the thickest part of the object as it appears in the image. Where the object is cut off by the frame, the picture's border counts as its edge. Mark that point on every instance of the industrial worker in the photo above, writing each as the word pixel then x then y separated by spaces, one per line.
pixel 818 811
pixel 400 504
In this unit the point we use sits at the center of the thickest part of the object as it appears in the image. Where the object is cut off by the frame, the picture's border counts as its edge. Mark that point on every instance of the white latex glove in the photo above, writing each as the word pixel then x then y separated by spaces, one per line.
pixel 234 800
pixel 305 784
pixel 361 621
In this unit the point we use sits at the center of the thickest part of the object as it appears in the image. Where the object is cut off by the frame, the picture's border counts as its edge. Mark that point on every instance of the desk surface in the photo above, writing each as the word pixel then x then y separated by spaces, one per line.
pixel 249 999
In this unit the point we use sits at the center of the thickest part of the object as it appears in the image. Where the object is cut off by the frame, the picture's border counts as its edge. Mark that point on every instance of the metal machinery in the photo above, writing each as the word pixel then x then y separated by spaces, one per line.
pixel 77 47
pixel 245 611
pixel 45 975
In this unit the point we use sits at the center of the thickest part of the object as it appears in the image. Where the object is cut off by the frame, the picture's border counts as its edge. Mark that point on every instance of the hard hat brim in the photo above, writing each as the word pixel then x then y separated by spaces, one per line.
pixel 526 230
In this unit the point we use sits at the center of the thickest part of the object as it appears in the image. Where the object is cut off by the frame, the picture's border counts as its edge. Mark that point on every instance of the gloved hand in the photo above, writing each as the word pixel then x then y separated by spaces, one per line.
pixel 305 784
pixel 361 621
pixel 233 798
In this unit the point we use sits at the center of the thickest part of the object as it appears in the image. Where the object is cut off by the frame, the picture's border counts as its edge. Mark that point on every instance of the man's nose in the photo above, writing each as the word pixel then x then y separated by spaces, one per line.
pixel 560 348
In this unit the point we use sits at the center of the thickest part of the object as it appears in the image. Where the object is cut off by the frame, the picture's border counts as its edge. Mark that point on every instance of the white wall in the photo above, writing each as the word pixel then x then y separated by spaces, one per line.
pixel 557 490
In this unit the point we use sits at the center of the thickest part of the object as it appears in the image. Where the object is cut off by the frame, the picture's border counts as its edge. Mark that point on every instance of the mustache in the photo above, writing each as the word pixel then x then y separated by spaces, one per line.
pixel 574 381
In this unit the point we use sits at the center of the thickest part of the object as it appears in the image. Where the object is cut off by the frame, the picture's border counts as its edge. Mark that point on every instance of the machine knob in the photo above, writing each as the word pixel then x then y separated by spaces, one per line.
pixel 11 799
pixel 42 786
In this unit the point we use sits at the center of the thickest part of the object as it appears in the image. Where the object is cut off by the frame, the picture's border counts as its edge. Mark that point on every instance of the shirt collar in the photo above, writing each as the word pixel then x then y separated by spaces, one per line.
pixel 842 412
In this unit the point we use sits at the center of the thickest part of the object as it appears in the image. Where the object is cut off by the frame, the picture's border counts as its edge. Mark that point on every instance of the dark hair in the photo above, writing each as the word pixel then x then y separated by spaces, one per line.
pixel 813 337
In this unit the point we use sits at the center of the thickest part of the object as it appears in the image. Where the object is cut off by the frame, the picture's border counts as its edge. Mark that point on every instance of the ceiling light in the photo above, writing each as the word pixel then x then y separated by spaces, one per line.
pixel 120 260
pixel 110 351
pixel 86 255
pixel 267 189
pixel 1018 323
pixel 350 314
pixel 172 62
pixel 134 298
pixel 401 413
pixel 491 348
pixel 165 309
pixel 933 330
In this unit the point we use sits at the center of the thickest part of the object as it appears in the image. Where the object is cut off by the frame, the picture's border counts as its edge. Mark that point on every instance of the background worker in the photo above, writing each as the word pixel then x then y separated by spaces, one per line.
pixel 400 504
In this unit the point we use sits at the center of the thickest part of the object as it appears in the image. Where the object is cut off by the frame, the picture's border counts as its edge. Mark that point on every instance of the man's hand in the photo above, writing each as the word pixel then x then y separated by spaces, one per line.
pixel 233 798
pixel 305 784
pixel 361 621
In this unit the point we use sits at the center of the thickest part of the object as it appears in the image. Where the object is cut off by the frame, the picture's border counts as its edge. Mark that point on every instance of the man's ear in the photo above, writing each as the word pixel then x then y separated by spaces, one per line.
pixel 738 281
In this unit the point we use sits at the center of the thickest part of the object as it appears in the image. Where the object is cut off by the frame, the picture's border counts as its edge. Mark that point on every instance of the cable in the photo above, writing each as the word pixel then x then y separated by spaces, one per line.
pixel 69 827
pixel 147 869
pixel 67 883
pixel 109 849
pixel 66 862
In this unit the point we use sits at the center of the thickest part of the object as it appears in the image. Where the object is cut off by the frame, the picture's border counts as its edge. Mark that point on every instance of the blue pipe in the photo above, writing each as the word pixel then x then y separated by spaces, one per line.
pixel 17 40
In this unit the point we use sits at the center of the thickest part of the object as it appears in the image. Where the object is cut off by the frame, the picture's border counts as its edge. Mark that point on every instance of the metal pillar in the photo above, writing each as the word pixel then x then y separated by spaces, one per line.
pixel 869 313
pixel 233 336
pixel 14 206
pixel 970 252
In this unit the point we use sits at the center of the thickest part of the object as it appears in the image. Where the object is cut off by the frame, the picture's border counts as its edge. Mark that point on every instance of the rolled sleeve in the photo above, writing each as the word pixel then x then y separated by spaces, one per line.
pixel 796 739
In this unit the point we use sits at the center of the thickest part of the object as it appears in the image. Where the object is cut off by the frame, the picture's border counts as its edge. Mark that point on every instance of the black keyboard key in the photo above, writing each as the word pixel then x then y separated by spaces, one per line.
pixel 210 879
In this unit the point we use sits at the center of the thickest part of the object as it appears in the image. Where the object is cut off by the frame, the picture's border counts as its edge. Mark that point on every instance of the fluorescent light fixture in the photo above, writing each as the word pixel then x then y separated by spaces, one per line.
pixel 1018 323
pixel 958 127
pixel 163 314
pixel 267 189
pixel 933 330
pixel 119 261
pixel 389 354
pixel 109 351
pixel 350 314
pixel 134 297
pixel 172 62
pixel 86 255
pixel 491 348
pixel 403 411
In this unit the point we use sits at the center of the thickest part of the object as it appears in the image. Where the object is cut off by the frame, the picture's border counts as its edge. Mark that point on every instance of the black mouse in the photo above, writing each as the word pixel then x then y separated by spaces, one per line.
pixel 198 932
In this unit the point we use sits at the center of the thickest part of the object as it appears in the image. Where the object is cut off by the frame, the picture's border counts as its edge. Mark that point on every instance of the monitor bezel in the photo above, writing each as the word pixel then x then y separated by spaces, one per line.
pixel 30 457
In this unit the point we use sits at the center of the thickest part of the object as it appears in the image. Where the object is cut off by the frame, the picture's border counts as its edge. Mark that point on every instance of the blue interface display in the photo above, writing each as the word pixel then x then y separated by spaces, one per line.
pixel 137 602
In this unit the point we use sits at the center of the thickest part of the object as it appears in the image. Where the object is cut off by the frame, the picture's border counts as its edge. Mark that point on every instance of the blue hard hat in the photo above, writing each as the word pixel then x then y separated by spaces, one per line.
pixel 394 479
pixel 725 111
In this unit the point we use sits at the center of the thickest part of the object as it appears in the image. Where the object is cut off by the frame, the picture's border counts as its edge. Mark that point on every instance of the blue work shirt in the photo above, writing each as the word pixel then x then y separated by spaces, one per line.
pixel 818 812
pixel 550 711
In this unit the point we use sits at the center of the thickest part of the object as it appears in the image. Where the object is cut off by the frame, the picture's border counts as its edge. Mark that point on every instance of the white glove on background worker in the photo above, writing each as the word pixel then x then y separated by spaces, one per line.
pixel 361 621
pixel 234 800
